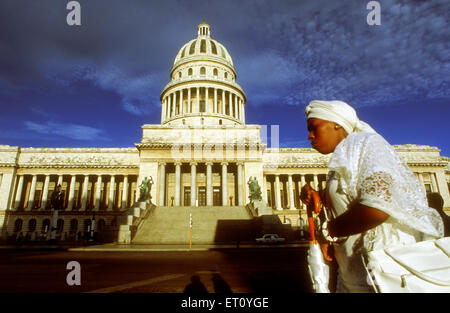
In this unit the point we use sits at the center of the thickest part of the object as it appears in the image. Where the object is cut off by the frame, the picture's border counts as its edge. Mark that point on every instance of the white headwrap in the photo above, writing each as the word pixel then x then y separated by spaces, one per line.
pixel 338 112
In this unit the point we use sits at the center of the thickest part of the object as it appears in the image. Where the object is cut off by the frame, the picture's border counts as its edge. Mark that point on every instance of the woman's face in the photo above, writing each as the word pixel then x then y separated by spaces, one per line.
pixel 324 135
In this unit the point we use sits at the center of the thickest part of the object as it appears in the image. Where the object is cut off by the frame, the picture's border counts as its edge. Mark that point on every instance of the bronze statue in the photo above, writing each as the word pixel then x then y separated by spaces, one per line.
pixel 145 188
pixel 57 199
pixel 255 190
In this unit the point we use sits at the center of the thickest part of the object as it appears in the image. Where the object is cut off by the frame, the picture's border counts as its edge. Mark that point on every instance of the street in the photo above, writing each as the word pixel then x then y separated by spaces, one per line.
pixel 257 270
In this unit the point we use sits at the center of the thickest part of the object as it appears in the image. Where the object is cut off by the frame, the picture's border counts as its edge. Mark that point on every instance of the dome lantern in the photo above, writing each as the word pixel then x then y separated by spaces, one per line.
pixel 204 29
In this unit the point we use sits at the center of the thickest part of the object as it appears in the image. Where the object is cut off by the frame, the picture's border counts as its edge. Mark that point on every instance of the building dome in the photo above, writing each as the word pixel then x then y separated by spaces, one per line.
pixel 203 47
pixel 202 88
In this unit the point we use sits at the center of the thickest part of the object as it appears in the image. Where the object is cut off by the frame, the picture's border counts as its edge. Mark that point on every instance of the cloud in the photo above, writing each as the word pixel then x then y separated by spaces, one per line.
pixel 327 51
pixel 72 131
pixel 285 53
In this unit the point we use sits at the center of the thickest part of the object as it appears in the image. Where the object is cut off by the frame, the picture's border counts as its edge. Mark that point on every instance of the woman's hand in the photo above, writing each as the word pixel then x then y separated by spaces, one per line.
pixel 327 251
pixel 311 198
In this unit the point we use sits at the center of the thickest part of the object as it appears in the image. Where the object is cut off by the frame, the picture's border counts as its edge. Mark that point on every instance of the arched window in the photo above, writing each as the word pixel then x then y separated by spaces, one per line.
pixel 18 225
pixel 46 225
pixel 225 75
pixel 220 122
pixel 190 72
pixel 59 225
pixel 32 225
pixel 73 225
pixel 215 72
pixel 179 74
pixel 202 71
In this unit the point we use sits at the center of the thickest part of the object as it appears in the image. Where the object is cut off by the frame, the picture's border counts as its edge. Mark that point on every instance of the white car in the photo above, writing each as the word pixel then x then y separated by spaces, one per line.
pixel 270 238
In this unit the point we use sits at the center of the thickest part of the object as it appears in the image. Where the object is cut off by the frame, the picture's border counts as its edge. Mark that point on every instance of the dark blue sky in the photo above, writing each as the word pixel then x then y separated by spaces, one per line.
pixel 96 84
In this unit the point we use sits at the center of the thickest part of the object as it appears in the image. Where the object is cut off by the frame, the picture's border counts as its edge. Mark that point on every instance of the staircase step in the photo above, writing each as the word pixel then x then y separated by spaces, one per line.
pixel 170 225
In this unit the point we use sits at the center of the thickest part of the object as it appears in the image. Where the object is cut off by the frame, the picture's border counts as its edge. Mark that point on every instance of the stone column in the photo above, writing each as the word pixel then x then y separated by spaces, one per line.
pixel 190 108
pixel 32 193
pixel 291 193
pixel 19 192
pixel 421 181
pixel 162 110
pixel 177 183
pixel 166 116
pixel 303 183
pixel 84 195
pixel 170 107
pixel 112 188
pixel 224 183
pixel 243 111
pixel 98 193
pixel 193 183
pixel 45 192
pixel 240 185
pixel 206 99
pixel 197 109
pixel 316 182
pixel 181 102
pixel 235 107
pixel 223 102
pixel 175 104
pixel 434 182
pixel 162 183
pixel 209 191
pixel 60 180
pixel 264 192
pixel 73 179
pixel 443 186
pixel 277 193
pixel 215 101
pixel 125 192
pixel 230 104
pixel 167 107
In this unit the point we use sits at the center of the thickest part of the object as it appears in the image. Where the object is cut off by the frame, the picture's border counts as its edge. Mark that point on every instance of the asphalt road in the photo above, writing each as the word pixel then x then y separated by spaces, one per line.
pixel 257 270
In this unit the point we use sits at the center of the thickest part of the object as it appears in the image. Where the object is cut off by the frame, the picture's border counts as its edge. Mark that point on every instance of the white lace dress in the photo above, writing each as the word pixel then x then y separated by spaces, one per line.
pixel 365 169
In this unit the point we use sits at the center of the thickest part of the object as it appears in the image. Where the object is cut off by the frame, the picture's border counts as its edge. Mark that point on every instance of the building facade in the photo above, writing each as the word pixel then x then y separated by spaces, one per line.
pixel 201 154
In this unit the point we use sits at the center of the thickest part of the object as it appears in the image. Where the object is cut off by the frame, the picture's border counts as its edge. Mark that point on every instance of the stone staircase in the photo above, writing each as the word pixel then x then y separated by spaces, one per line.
pixel 170 225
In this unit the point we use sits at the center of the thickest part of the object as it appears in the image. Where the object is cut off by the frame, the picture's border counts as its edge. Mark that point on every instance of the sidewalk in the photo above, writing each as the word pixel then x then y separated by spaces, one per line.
pixel 206 247
pixel 114 247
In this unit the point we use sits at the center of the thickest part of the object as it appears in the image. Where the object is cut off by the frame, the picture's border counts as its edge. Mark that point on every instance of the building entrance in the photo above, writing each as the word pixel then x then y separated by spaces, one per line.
pixel 217 198
pixel 187 196
pixel 201 196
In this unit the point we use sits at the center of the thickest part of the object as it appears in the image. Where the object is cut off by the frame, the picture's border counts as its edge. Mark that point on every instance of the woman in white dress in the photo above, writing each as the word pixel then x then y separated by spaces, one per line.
pixel 373 197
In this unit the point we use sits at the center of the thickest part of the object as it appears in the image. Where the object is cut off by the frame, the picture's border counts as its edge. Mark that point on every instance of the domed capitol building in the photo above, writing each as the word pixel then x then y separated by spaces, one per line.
pixel 201 160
